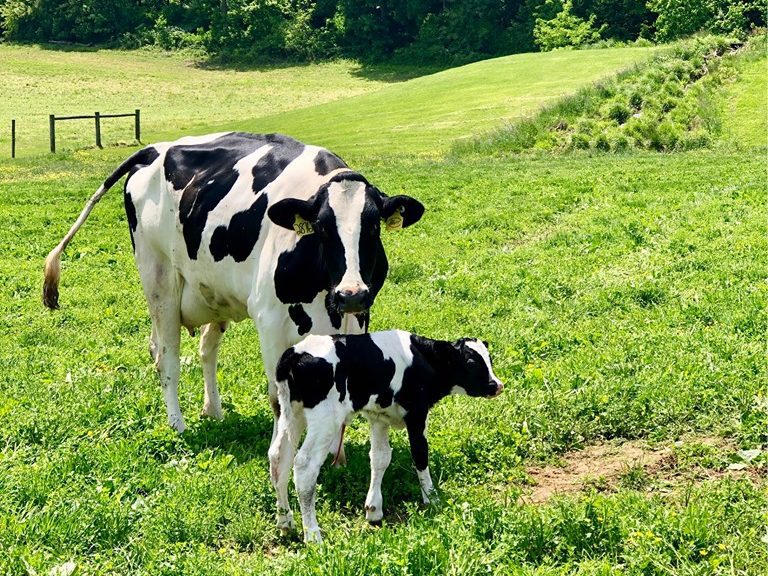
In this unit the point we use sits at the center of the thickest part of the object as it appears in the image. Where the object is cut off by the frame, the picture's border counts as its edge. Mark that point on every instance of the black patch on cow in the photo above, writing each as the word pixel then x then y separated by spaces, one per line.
pixel 150 154
pixel 310 379
pixel 300 318
pixel 272 164
pixel 130 212
pixel 363 319
pixel 333 314
pixel 205 173
pixel 240 236
pixel 368 373
pixel 326 162
pixel 301 274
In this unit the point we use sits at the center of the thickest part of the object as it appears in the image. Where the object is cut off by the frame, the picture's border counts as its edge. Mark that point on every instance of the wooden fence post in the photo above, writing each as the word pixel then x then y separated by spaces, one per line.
pixel 97 119
pixel 13 138
pixel 138 125
pixel 52 130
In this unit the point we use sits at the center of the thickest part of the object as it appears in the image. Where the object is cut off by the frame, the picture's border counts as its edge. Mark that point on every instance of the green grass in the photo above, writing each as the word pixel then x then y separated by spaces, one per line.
pixel 423 115
pixel 746 116
pixel 623 296
pixel 426 115
pixel 173 94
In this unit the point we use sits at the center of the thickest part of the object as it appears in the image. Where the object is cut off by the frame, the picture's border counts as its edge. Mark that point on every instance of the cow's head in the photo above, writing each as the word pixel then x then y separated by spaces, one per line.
pixel 347 214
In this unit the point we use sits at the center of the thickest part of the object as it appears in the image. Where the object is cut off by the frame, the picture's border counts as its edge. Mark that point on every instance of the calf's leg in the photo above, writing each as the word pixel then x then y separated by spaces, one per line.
pixel 323 424
pixel 281 454
pixel 381 455
pixel 210 339
pixel 416 425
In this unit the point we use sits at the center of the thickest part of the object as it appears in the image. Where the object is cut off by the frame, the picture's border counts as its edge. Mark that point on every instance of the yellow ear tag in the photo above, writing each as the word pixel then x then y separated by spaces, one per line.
pixel 301 226
pixel 394 222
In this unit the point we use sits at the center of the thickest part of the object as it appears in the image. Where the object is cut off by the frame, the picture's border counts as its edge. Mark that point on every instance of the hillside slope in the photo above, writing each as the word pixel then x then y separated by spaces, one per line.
pixel 425 115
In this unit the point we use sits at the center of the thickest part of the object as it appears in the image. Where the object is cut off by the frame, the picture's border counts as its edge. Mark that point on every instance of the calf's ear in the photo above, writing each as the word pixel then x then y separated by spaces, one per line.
pixel 294 214
pixel 400 211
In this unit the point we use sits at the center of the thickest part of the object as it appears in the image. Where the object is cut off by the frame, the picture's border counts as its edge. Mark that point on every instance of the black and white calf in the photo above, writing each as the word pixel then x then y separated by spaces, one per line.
pixel 234 225
pixel 393 378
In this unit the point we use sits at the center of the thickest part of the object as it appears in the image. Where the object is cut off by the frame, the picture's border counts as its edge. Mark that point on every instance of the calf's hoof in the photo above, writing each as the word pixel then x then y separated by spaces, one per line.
pixel 178 424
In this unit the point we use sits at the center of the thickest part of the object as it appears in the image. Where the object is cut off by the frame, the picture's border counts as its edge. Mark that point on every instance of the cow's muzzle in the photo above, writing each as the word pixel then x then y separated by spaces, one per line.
pixel 352 301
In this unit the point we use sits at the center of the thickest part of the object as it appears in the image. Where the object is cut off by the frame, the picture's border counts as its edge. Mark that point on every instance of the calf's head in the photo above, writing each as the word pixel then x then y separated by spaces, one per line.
pixel 346 214
pixel 472 369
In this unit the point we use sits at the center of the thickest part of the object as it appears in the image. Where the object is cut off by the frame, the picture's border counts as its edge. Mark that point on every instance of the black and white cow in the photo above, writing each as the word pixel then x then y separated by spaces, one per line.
pixel 393 378
pixel 233 225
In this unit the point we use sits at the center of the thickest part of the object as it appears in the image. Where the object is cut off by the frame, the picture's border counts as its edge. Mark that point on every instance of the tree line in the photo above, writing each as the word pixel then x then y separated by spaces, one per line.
pixel 414 31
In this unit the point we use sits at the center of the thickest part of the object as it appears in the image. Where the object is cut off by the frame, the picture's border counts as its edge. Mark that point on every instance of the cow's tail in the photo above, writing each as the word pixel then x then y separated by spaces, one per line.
pixel 53 261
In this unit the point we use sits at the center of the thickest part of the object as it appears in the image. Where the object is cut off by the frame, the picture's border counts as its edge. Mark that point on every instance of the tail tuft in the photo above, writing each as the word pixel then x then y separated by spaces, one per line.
pixel 51 279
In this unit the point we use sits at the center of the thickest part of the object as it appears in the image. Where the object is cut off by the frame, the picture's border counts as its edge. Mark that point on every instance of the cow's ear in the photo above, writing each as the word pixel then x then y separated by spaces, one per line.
pixel 400 211
pixel 294 214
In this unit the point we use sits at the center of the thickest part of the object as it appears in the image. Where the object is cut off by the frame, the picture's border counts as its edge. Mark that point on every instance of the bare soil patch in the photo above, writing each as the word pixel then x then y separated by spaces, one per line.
pixel 605 466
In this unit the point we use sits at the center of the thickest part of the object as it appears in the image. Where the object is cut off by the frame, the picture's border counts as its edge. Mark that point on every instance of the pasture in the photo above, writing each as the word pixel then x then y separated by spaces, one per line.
pixel 623 296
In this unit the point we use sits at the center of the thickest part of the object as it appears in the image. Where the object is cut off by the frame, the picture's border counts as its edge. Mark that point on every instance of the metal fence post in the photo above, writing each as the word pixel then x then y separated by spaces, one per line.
pixel 97 119
pixel 13 138
pixel 138 125
pixel 52 127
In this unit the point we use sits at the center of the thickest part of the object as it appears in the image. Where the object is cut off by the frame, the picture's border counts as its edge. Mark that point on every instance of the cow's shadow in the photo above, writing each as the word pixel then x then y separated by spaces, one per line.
pixel 244 437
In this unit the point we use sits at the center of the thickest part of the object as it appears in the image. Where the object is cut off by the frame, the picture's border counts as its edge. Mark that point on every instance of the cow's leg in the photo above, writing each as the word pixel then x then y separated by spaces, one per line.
pixel 416 425
pixel 281 454
pixel 323 423
pixel 381 455
pixel 162 290
pixel 210 338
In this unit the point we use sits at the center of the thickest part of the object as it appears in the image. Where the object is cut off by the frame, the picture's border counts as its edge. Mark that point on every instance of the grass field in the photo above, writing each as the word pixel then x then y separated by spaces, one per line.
pixel 422 115
pixel 623 296
pixel 746 119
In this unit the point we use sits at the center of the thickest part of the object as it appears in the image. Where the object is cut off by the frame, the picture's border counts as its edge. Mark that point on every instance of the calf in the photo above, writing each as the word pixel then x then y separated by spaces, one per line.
pixel 393 378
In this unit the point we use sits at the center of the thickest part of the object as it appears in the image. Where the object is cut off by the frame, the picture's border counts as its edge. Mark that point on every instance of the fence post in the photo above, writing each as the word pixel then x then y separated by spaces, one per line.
pixel 13 138
pixel 97 118
pixel 52 127
pixel 138 125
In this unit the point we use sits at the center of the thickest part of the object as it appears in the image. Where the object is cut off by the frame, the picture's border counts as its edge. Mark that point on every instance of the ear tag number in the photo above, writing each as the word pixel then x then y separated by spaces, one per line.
pixel 302 227
pixel 395 222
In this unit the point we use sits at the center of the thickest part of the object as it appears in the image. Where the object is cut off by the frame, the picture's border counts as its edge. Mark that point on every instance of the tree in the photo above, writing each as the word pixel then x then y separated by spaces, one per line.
pixel 565 29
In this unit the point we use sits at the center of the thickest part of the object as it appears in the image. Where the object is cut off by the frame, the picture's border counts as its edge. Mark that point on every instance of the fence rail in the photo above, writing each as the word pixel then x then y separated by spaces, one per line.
pixel 97 117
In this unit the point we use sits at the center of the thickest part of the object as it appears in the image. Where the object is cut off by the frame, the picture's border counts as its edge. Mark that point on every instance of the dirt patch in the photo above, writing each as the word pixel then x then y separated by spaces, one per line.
pixel 634 464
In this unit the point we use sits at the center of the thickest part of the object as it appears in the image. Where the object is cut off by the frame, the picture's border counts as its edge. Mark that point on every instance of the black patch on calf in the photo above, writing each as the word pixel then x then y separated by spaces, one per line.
pixel 326 162
pixel 240 236
pixel 310 379
pixel 205 172
pixel 300 318
pixel 368 373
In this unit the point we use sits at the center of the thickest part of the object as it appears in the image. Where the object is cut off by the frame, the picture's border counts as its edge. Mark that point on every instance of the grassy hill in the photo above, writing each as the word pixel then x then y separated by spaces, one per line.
pixel 746 114
pixel 623 296
pixel 371 113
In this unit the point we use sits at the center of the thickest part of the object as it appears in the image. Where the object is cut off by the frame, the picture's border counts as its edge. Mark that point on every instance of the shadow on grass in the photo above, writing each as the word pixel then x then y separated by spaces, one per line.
pixel 244 437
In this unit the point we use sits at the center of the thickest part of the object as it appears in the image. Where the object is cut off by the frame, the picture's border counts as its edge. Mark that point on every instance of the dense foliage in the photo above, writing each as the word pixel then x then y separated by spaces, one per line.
pixel 672 103
pixel 435 31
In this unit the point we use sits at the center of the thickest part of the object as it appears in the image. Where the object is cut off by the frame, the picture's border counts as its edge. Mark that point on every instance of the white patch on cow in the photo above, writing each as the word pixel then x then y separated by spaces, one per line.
pixel 396 346
pixel 319 347
pixel 347 200
pixel 480 348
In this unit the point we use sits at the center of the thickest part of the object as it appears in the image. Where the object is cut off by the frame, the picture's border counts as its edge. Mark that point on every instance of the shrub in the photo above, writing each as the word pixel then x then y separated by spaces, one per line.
pixel 619 112
pixel 565 29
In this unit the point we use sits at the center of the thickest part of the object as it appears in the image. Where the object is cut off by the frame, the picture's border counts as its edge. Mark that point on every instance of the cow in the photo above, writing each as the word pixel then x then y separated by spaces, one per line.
pixel 235 225
pixel 393 378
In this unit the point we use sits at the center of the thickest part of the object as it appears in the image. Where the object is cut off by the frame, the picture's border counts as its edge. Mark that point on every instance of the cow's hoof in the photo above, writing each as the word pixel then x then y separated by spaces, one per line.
pixel 313 536
pixel 212 412
pixel 373 515
pixel 285 523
